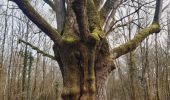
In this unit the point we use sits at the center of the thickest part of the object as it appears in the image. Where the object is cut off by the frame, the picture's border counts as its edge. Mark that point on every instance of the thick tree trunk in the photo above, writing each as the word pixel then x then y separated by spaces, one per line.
pixel 104 65
pixel 101 93
pixel 84 70
pixel 77 66
pixel 70 72
pixel 101 80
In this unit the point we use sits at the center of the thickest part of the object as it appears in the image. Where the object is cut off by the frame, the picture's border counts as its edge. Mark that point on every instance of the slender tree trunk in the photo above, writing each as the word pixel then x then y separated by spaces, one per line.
pixel 36 71
pixel 10 71
pixel 131 65
pixel 43 72
pixel 2 53
pixel 35 76
pixel 24 70
pixel 122 84
pixel 157 67
pixel 146 67
pixel 29 76
pixel 167 58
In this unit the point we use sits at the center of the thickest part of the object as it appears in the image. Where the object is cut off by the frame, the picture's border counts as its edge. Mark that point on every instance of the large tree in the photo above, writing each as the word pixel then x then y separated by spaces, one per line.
pixel 80 45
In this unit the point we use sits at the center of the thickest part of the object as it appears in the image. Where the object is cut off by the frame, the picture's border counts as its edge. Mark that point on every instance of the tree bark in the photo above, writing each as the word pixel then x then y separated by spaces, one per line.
pixel 75 67
pixel 79 80
pixel 104 65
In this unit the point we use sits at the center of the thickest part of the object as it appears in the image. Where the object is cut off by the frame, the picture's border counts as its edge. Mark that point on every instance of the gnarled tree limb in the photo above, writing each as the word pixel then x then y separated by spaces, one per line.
pixel 36 18
pixel 139 37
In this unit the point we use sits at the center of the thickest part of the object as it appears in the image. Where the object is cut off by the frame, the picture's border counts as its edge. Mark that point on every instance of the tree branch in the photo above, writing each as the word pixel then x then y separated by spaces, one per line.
pixel 112 24
pixel 110 6
pixel 99 4
pixel 139 37
pixel 94 20
pixel 60 14
pixel 37 49
pixel 79 7
pixel 110 17
pixel 50 3
pixel 125 24
pixel 158 10
pixel 36 18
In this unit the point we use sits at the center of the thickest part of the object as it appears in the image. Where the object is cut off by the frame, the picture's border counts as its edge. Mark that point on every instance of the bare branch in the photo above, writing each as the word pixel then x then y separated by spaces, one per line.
pixel 139 37
pixel 36 18
pixel 60 14
pixel 125 24
pixel 167 6
pixel 111 26
pixel 139 8
pixel 50 3
pixel 110 17
pixel 158 10
pixel 37 49
pixel 109 6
